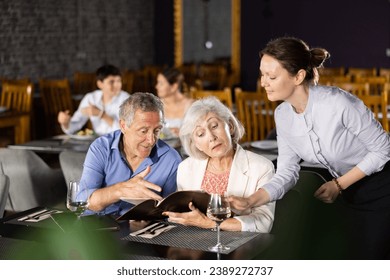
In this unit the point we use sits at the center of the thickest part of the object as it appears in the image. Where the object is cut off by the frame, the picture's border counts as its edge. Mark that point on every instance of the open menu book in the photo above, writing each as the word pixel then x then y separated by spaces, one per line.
pixel 175 202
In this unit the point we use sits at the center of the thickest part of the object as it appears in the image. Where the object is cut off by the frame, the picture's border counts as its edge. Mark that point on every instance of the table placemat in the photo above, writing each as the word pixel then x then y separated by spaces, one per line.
pixel 196 238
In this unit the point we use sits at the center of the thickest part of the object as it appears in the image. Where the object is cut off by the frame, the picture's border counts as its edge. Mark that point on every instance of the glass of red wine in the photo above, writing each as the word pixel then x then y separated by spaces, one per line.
pixel 218 210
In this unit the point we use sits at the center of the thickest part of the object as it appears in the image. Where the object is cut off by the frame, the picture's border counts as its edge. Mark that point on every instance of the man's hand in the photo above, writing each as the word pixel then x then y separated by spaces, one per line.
pixel 64 118
pixel 91 110
pixel 137 187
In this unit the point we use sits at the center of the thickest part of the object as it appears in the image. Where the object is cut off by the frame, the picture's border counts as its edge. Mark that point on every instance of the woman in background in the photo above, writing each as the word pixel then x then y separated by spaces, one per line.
pixel 170 86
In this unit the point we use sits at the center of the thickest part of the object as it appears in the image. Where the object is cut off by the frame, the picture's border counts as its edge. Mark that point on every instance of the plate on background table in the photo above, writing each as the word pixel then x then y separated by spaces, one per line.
pixel 3 109
pixel 265 144
pixel 82 137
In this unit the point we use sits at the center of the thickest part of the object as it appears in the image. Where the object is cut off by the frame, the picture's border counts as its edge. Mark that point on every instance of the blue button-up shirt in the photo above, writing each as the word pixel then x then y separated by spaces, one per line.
pixel 105 165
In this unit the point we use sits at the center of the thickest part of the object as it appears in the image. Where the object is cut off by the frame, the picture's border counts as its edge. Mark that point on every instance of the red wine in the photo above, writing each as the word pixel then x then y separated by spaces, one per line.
pixel 219 215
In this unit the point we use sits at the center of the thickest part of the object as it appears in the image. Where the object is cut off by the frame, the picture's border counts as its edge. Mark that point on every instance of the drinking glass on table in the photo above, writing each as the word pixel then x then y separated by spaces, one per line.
pixel 218 210
pixel 77 198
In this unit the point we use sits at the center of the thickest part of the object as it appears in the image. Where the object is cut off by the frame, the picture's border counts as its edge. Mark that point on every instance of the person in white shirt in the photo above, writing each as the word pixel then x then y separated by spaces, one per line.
pixel 101 106
pixel 331 127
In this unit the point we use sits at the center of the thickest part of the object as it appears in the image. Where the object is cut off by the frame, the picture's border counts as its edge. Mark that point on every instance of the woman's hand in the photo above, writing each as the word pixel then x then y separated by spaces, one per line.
pixel 327 193
pixel 192 218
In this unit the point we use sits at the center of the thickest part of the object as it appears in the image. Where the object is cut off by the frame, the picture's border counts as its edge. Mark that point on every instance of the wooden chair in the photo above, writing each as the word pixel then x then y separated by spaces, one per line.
pixel 358 89
pixel 128 77
pixel 332 71
pixel 190 72
pixel 330 80
pixel 378 105
pixel 361 72
pixel 213 76
pixel 18 98
pixel 376 83
pixel 255 112
pixel 385 72
pixel 84 82
pixel 56 96
pixel 225 96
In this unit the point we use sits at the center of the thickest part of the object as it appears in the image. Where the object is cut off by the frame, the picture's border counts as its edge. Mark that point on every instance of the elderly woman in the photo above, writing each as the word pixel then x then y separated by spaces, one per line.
pixel 217 163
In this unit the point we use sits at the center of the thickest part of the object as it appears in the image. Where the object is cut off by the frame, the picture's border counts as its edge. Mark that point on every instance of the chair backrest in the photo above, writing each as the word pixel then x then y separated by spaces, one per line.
pixel 378 105
pixel 4 190
pixel 332 71
pixel 225 96
pixel 213 76
pixel 376 83
pixel 84 82
pixel 56 96
pixel 249 106
pixel 290 216
pixel 32 182
pixel 359 72
pixel 385 72
pixel 357 89
pixel 128 77
pixel 190 72
pixel 17 97
pixel 330 80
pixel 72 165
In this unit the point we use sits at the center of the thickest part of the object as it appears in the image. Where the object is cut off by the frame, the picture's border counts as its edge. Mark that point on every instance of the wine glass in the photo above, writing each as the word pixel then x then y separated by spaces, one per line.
pixel 77 198
pixel 218 210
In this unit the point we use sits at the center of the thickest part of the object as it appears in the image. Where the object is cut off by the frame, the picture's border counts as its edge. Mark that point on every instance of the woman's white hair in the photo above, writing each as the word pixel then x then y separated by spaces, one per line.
pixel 198 110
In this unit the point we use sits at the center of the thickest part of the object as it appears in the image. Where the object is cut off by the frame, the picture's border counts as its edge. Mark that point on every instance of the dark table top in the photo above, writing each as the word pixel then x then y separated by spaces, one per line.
pixel 105 238
pixel 55 144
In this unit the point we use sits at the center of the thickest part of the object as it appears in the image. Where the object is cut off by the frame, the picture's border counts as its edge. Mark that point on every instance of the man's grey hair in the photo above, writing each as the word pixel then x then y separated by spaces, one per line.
pixel 144 101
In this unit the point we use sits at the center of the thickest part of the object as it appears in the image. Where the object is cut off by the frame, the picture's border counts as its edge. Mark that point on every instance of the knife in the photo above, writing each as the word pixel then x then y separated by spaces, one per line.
pixel 34 215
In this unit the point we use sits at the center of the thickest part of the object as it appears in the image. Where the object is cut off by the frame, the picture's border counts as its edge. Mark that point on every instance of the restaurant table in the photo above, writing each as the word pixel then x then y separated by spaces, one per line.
pixel 180 242
pixel 56 144
pixel 60 143
pixel 21 123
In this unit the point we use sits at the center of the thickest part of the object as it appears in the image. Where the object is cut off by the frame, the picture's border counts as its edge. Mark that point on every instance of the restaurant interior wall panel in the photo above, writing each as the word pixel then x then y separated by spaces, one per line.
pixel 53 39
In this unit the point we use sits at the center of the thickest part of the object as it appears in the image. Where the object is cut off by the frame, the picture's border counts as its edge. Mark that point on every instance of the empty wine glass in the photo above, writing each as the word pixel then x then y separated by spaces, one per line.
pixel 77 198
pixel 218 210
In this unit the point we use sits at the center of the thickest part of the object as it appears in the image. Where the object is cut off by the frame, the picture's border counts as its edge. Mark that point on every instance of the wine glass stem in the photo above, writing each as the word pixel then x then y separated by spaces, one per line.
pixel 218 235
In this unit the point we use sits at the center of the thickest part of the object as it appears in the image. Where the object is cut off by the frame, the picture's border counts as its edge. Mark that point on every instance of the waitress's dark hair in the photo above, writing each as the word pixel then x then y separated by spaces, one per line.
pixel 294 54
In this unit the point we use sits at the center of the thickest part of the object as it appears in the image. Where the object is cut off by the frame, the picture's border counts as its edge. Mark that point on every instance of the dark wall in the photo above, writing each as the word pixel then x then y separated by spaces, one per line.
pixel 53 39
pixel 163 33
pixel 355 32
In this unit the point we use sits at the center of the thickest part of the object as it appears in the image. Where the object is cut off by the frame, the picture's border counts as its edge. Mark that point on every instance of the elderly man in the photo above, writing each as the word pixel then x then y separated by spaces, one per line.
pixel 131 162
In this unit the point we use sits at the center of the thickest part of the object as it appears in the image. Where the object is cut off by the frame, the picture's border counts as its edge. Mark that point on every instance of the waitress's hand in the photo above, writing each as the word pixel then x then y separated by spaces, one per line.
pixel 242 204
pixel 327 193
pixel 239 203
